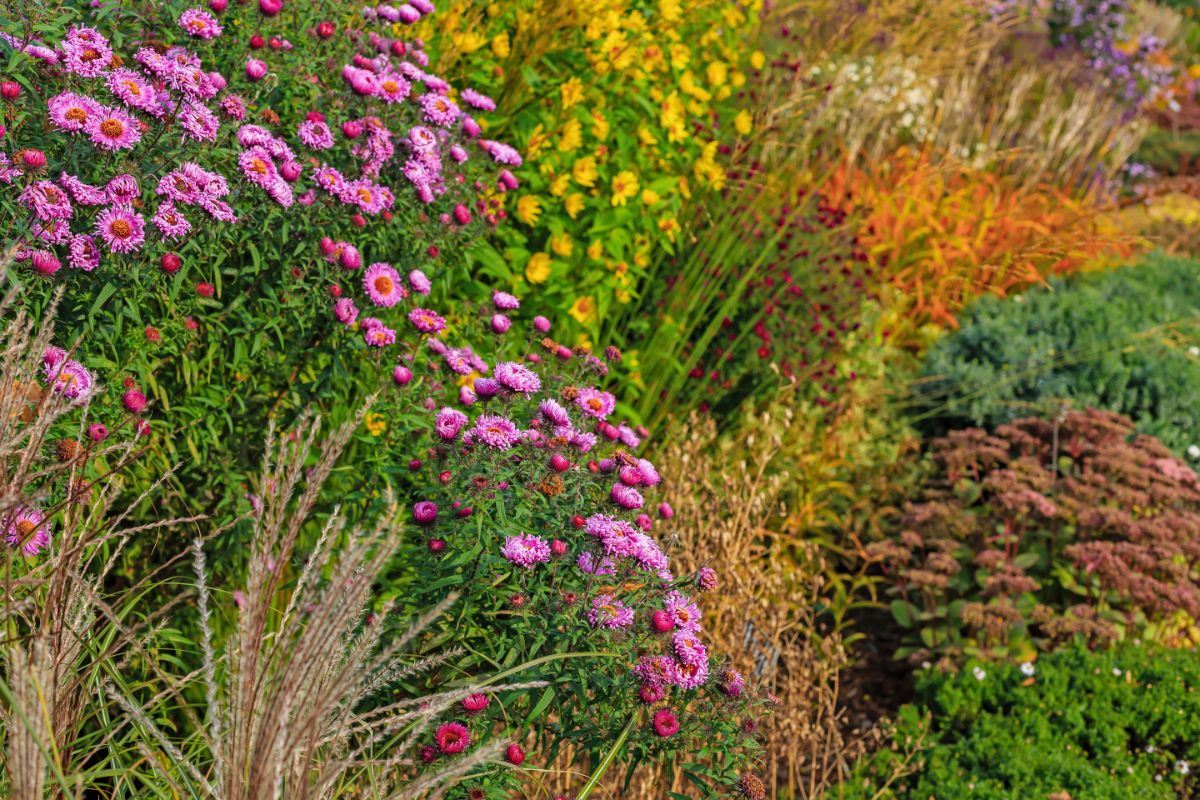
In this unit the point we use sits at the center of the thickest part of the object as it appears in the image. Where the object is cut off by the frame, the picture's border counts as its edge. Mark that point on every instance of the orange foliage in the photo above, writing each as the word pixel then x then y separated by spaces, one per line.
pixel 942 234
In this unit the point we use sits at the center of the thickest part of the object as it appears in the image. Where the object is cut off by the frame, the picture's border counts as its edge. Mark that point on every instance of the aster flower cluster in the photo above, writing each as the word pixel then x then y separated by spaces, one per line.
pixel 400 126
pixel 534 439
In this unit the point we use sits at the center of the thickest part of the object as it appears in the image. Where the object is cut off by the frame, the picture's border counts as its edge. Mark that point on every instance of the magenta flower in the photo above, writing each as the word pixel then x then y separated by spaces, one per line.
pixel 516 378
pixel 505 301
pixel 425 512
pixel 689 648
pixel 28 530
pixel 47 201
pixel 391 88
pixel 419 282
pixel 113 129
pixel 122 229
pixel 688 676
pixel 609 612
pixel 382 284
pixel 170 223
pixel 83 254
pixel 683 612
pixel 255 69
pixel 525 550
pixel 496 432
pixel 452 738
pixel 73 381
pixel 477 100
pixel 553 411
pixel 449 422
pixel 426 321
pixel 438 109
pixel 596 403
pixel 732 683
pixel 500 153
pixel 626 496
pixel 133 90
pixel 345 311
pixel 71 112
pixel 315 135
pixel 378 334
pixel 200 24
pixel 707 579
pixel 665 723
pixel 85 52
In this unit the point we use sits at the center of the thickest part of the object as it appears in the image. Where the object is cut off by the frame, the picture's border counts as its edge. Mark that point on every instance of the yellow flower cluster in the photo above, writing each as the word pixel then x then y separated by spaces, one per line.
pixel 619 108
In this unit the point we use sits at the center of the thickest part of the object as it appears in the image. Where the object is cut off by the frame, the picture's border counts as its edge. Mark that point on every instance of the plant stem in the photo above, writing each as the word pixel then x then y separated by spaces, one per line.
pixel 594 779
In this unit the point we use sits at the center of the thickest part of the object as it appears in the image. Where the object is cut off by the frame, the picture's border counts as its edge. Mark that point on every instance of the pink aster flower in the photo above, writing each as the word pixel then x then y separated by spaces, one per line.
pixel 83 193
pixel 689 676
pixel 132 89
pixel 85 52
pixel 382 284
pixel 525 550
pixel 496 432
pixel 170 223
pixel 626 496
pixel 46 200
pixel 688 648
pixel 707 579
pixel 449 422
pixel 476 100
pixel 378 334
pixel 392 88
pixel 649 474
pixel 452 738
pixel 122 190
pixel 419 282
pixel 732 683
pixel 121 228
pixel 517 378
pixel 505 301
pixel 73 381
pixel 198 121
pixel 595 403
pixel 52 359
pixel 609 612
pixel 345 311
pixel 426 321
pixel 113 129
pixel 258 166
pixel 72 112
pixel 200 24
pixel 83 253
pixel 438 109
pixel 654 670
pixel 500 152
pixel 553 411
pixel 28 530
pixel 665 723
pixel 315 135
pixel 684 613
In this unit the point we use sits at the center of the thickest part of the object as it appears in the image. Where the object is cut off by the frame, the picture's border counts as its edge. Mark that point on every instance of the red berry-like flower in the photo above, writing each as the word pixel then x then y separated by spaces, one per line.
pixel 437 545
pixel 474 703
pixel 133 400
pixel 10 90
pixel 665 723
pixel 515 754
pixel 558 547
pixel 429 754
pixel 257 42
pixel 559 463
pixel 662 621
pixel 578 521
pixel 453 737
pixel 170 263
pixel 205 289
pixel 325 30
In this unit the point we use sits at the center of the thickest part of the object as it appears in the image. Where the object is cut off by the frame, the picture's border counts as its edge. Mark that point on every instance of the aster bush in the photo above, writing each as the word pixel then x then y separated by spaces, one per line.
pixel 217 190
pixel 1043 532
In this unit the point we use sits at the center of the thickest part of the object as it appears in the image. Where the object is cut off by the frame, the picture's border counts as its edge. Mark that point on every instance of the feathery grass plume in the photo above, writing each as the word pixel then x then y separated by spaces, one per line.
pixel 62 629
pixel 287 690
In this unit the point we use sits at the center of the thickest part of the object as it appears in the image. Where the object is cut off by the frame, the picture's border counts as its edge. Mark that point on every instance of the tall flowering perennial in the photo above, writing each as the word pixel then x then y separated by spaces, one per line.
pixel 175 103
pixel 533 501
pixel 204 183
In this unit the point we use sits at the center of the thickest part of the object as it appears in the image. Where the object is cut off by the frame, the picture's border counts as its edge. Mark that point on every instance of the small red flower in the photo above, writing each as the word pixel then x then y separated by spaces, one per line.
pixel 665 723
pixel 515 754
pixel 453 737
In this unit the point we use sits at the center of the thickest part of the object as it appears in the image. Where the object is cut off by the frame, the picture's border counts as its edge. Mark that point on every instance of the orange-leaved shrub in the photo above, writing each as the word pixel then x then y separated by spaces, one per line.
pixel 941 233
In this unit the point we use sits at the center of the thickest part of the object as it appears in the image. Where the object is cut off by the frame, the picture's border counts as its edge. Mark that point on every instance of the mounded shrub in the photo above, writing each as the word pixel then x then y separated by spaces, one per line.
pixel 1119 340
pixel 1104 725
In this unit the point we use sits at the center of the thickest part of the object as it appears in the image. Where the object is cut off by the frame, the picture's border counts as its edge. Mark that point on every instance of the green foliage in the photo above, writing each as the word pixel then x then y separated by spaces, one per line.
pixel 1170 152
pixel 1117 340
pixel 1111 725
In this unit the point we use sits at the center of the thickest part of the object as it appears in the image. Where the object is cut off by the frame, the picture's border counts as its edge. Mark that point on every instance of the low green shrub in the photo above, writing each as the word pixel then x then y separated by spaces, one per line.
pixel 1121 341
pixel 1112 725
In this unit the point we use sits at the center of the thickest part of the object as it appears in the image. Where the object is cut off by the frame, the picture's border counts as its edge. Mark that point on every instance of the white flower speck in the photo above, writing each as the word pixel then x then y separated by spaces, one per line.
pixel 1027 669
